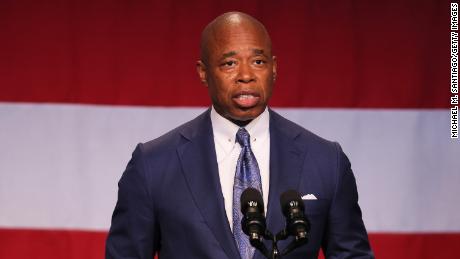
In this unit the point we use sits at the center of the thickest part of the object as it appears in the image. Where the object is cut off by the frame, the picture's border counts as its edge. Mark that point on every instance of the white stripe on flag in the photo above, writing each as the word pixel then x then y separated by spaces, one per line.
pixel 60 163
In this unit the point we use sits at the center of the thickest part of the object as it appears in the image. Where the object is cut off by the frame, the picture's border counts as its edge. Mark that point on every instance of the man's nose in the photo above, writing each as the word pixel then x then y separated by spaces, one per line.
pixel 245 73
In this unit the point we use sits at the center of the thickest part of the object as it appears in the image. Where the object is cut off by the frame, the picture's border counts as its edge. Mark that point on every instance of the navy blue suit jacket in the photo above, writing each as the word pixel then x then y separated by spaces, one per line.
pixel 170 200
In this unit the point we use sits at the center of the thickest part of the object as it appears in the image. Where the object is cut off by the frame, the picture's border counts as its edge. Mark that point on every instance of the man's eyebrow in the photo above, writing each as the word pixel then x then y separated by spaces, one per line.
pixel 258 51
pixel 233 53
pixel 229 54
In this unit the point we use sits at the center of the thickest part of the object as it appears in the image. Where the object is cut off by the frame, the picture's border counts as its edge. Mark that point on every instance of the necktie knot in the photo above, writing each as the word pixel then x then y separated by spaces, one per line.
pixel 242 137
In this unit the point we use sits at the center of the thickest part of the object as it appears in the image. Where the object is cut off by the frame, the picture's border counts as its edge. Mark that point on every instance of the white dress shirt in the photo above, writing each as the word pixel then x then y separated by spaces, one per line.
pixel 228 150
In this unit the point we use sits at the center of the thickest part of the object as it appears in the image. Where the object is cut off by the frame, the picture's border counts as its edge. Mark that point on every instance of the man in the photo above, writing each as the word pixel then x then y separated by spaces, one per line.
pixel 179 195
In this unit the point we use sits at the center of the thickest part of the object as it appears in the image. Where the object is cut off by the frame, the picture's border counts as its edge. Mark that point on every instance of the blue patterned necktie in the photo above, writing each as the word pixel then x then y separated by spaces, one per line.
pixel 247 175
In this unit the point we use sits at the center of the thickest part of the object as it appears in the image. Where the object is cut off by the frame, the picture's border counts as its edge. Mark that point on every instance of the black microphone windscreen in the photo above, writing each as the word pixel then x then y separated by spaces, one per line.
pixel 251 197
pixel 290 198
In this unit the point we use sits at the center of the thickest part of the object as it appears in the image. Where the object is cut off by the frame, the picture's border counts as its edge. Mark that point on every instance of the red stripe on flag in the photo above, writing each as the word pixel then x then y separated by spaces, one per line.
pixel 415 245
pixel 356 54
pixel 73 244
pixel 51 244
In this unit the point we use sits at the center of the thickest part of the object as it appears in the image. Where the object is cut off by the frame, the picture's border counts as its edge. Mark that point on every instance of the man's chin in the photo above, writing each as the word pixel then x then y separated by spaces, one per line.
pixel 246 115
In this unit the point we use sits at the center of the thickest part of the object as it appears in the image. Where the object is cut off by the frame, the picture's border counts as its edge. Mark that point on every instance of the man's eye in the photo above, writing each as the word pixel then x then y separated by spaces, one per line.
pixel 229 63
pixel 259 61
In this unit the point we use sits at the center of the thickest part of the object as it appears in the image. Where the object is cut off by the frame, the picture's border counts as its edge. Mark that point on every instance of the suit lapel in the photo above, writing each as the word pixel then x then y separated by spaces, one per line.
pixel 199 164
pixel 286 158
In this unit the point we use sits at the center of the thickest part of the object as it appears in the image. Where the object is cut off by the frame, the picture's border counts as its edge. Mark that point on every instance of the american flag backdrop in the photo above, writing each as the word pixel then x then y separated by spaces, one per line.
pixel 83 81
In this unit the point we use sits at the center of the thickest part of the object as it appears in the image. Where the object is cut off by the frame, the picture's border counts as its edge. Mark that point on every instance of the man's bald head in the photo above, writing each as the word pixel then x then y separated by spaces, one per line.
pixel 226 24
pixel 237 66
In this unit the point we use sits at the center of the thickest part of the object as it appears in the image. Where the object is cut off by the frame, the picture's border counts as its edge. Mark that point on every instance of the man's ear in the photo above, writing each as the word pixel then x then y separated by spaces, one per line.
pixel 201 69
pixel 274 67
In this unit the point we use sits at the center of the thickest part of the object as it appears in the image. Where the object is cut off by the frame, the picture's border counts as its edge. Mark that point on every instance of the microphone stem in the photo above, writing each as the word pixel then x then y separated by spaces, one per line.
pixel 275 251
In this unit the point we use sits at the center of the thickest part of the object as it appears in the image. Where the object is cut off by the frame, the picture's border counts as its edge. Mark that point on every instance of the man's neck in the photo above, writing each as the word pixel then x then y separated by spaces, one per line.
pixel 240 123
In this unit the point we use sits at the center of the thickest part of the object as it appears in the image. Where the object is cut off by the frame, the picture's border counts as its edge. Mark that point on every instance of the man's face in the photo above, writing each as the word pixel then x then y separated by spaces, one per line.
pixel 239 72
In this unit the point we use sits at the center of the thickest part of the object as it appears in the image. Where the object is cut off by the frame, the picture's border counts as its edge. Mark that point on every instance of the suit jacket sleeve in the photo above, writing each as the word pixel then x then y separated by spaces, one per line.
pixel 133 232
pixel 346 236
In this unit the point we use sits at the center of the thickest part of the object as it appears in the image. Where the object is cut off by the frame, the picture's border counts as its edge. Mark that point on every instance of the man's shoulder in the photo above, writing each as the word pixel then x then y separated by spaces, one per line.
pixel 181 134
pixel 298 132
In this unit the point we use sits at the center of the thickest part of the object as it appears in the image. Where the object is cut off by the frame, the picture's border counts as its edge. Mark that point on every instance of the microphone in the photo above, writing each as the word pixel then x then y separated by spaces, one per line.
pixel 252 207
pixel 297 224
pixel 253 222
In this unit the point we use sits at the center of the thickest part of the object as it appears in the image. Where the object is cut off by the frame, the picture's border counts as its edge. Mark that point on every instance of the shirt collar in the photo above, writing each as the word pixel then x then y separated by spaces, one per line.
pixel 225 131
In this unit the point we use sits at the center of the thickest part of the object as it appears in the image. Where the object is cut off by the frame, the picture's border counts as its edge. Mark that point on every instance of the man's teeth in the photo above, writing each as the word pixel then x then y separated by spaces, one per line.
pixel 245 96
